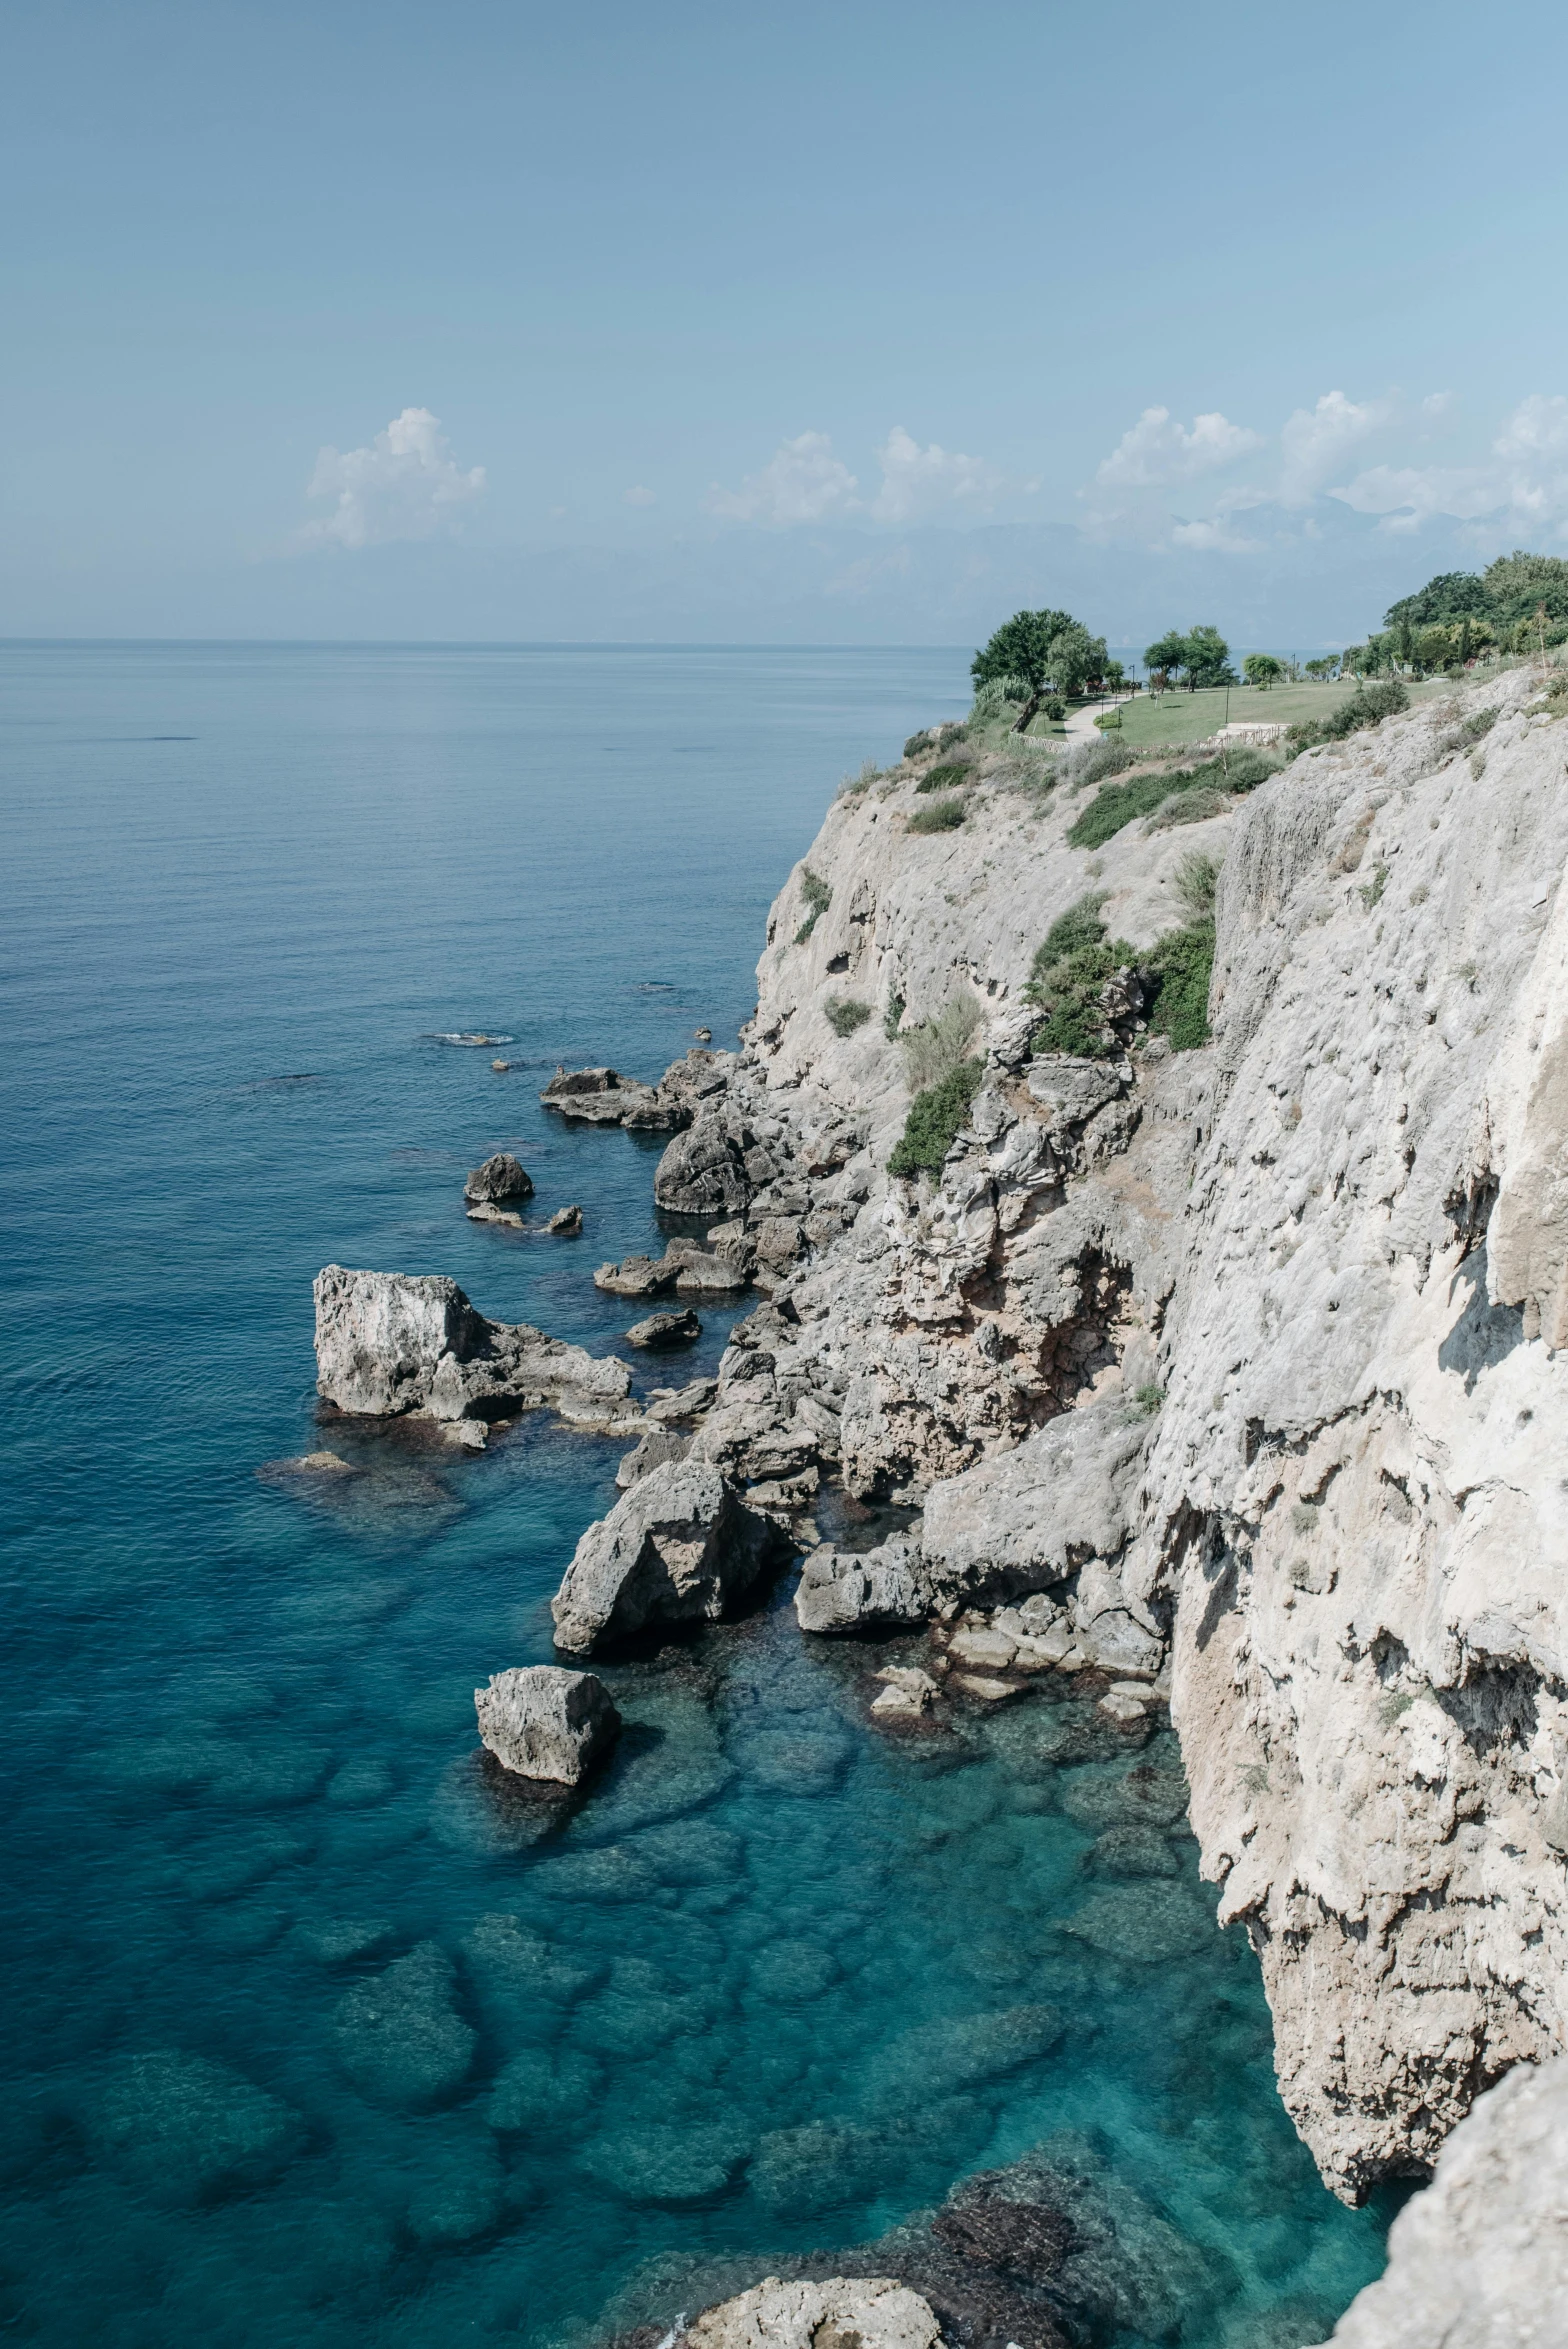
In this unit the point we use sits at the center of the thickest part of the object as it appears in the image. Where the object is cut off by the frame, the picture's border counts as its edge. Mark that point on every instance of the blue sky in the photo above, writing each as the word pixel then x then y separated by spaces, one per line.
pixel 840 324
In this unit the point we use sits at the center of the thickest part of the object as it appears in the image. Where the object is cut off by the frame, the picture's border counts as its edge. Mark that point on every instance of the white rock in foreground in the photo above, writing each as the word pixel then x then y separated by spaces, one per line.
pixel 875 2312
pixel 542 1722
pixel 390 1343
pixel 679 1547
pixel 1480 2260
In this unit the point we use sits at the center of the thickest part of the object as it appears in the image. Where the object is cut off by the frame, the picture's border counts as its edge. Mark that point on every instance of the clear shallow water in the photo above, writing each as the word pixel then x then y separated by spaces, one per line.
pixel 311 2039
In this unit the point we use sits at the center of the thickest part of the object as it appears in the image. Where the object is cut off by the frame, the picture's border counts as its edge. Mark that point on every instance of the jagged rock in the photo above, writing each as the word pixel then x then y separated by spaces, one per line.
pixel 600 1097
pixel 680 1546
pixel 541 1722
pixel 566 1221
pixel 701 1272
pixel 1026 1519
pixel 909 1692
pixel 666 1329
pixel 704 1170
pixel 391 1342
pixel 859 1590
pixel 867 2312
pixel 499 1182
pixel 485 1213
pixel 1480 2259
pixel 636 1276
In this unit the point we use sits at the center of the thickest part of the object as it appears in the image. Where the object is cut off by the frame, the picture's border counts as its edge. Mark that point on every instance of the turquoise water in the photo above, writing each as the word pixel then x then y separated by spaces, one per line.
pixel 313 2038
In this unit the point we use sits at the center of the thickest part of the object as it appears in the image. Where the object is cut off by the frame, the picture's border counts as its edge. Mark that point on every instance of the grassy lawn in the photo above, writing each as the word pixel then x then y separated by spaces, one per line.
pixel 1192 717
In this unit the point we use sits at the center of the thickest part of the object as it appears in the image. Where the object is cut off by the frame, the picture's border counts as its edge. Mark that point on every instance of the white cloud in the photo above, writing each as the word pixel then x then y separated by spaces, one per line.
pixel 1524 488
pixel 639 497
pixel 1411 494
pixel 1214 538
pixel 405 485
pixel 1537 428
pixel 801 482
pixel 1157 449
pixel 1315 440
pixel 917 481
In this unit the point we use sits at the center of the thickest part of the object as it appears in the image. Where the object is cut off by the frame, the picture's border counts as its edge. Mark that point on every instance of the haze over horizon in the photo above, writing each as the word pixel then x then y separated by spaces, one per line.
pixel 707 329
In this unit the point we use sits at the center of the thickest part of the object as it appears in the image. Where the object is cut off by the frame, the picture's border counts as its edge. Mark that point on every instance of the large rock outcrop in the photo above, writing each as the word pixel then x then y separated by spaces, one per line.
pixel 679 1547
pixel 1480 2259
pixel 390 1343
pixel 863 2312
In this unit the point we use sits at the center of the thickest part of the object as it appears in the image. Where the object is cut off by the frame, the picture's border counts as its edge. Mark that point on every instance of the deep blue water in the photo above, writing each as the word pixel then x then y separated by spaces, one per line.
pixel 309 2042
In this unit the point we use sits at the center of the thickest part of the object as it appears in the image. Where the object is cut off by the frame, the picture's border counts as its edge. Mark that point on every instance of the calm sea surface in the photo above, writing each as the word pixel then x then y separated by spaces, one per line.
pixel 309 2040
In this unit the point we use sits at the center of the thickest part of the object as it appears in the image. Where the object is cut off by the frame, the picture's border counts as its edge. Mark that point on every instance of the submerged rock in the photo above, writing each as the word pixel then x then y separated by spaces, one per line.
pixel 867 2312
pixel 541 1722
pixel 189 2128
pixel 399 2036
pixel 665 2165
pixel 500 1182
pixel 389 1343
pixel 681 1546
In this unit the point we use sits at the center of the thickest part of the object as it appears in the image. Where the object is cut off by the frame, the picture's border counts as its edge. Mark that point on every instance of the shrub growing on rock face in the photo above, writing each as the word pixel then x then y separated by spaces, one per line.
pixel 818 897
pixel 1067 980
pixel 936 1118
pixel 943 777
pixel 943 815
pixel 844 1015
pixel 1181 966
pixel 934 1049
pixel 1119 804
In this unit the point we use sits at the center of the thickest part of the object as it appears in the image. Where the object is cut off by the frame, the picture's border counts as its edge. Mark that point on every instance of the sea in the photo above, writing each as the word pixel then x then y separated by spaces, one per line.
pixel 313 2036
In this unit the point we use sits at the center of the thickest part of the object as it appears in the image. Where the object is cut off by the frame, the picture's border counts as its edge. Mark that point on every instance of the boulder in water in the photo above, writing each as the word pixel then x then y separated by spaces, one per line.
pixel 665 1329
pixel 391 1342
pixel 681 1546
pixel 542 1722
pixel 566 1221
pixel 854 1590
pixel 187 2127
pixel 500 1182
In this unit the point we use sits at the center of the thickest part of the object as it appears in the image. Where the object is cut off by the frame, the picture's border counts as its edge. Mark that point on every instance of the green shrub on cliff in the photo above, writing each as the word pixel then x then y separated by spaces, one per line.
pixel 936 1118
pixel 1079 955
pixel 845 1015
pixel 1181 965
pixel 934 1048
pixel 1067 979
pixel 943 815
pixel 942 778
pixel 1120 804
pixel 818 897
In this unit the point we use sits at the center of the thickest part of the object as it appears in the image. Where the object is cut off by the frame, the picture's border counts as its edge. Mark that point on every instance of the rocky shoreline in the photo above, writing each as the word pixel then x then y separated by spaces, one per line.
pixel 1228 1373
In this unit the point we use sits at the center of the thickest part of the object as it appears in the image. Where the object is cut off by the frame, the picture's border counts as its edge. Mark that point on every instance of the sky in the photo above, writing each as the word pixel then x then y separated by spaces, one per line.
pixel 709 323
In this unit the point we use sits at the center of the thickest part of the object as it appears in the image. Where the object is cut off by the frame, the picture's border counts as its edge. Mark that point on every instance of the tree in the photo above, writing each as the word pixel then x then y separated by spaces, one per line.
pixel 1075 659
pixel 1262 670
pixel 1168 656
pixel 1447 597
pixel 1322 669
pixel 1021 648
pixel 1207 659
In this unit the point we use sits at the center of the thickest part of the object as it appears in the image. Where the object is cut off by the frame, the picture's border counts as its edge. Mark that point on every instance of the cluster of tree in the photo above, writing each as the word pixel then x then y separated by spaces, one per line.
pixel 1515 604
pixel 1200 657
pixel 1039 658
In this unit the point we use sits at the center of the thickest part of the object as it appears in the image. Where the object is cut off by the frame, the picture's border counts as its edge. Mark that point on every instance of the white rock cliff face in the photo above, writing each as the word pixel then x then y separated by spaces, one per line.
pixel 1337 1238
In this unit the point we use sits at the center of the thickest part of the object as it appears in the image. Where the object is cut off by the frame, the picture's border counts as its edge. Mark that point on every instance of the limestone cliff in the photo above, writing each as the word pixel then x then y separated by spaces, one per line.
pixel 1335 1239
